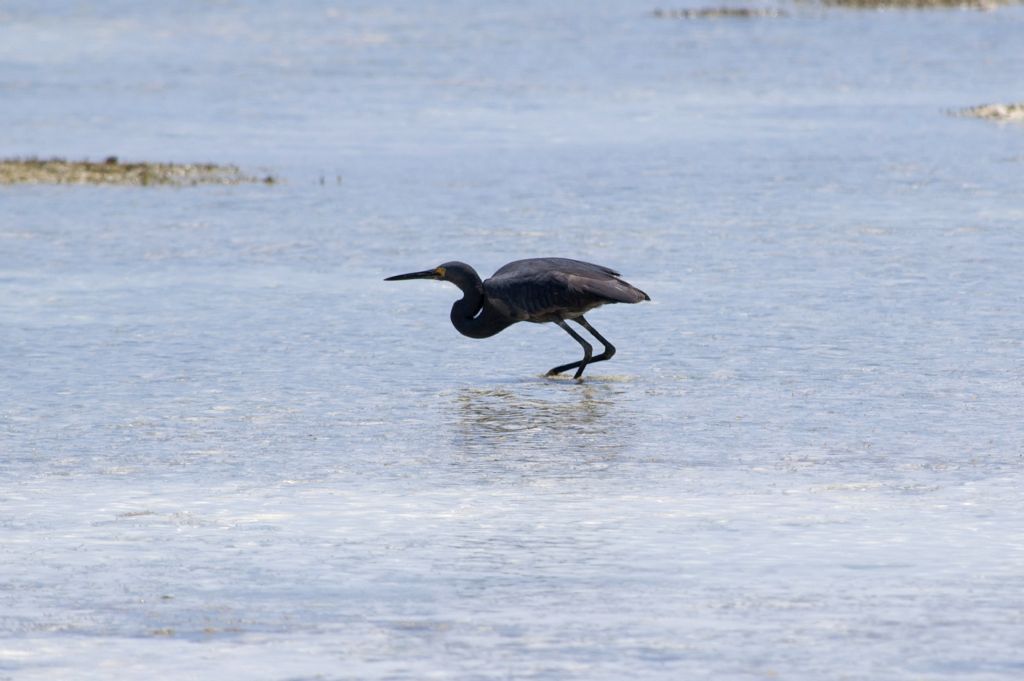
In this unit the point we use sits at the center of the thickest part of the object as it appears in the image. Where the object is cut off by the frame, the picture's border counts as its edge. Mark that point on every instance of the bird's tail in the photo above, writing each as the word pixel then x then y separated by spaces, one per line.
pixel 618 291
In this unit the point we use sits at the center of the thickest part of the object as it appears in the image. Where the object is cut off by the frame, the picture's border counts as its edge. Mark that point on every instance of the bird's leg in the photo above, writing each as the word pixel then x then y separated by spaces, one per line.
pixel 587 352
pixel 609 349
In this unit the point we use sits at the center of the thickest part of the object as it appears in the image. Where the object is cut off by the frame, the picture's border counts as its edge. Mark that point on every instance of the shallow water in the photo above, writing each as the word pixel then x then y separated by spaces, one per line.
pixel 230 450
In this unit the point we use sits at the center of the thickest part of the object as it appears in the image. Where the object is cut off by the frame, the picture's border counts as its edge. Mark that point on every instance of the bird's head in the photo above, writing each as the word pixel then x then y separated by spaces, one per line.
pixel 459 273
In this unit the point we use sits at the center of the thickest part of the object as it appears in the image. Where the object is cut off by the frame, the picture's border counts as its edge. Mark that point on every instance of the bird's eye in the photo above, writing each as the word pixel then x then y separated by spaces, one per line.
pixel 440 272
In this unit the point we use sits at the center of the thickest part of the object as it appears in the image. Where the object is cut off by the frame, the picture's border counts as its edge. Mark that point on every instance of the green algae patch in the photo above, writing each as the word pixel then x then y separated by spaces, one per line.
pixel 112 171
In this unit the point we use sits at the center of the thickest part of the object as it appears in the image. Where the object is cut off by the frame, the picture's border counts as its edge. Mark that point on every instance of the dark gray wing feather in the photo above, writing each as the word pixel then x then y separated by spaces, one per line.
pixel 611 289
pixel 544 289
pixel 566 265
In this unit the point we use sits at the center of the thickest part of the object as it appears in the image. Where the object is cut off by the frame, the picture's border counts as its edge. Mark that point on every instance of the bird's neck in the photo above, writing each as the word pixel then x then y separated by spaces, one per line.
pixel 472 316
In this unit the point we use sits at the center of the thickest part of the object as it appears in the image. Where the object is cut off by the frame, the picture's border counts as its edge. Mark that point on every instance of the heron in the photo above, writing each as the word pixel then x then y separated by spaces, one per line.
pixel 538 290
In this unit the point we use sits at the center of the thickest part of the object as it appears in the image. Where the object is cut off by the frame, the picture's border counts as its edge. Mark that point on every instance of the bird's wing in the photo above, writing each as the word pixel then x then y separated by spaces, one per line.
pixel 566 265
pixel 539 292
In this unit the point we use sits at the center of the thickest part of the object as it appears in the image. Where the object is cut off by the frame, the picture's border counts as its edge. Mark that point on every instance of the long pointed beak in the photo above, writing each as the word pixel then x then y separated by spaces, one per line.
pixel 425 274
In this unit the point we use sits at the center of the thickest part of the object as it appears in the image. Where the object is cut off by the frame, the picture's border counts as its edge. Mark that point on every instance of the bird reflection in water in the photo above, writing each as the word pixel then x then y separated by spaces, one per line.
pixel 529 429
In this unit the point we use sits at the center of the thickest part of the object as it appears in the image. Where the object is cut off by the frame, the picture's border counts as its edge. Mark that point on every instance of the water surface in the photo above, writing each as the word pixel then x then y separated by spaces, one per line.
pixel 230 450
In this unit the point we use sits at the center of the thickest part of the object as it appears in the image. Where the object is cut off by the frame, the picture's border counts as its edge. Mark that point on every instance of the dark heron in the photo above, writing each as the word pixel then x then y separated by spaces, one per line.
pixel 536 290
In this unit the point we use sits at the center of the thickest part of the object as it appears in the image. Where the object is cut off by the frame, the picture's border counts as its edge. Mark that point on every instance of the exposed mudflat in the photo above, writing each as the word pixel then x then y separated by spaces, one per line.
pixel 995 112
pixel 113 171
pixel 920 4
pixel 720 13
pixel 760 11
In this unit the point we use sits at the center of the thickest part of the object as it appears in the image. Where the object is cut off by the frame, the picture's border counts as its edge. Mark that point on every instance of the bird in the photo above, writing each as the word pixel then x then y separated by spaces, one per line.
pixel 538 290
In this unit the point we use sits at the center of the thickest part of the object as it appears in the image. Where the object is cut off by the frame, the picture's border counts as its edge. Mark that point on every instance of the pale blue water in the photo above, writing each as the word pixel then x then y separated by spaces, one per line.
pixel 228 449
